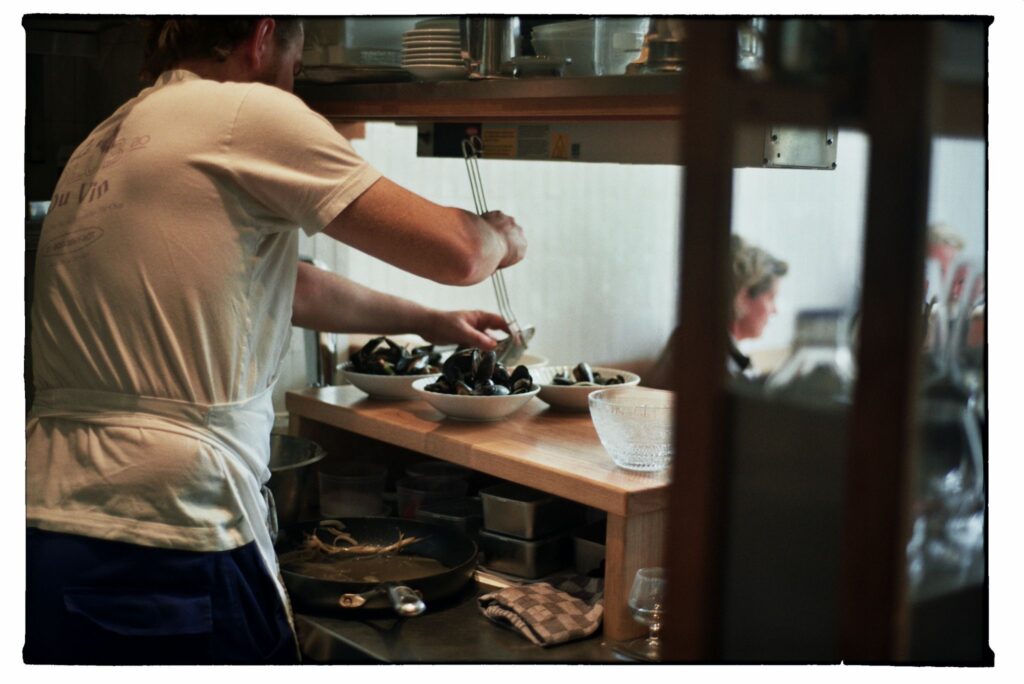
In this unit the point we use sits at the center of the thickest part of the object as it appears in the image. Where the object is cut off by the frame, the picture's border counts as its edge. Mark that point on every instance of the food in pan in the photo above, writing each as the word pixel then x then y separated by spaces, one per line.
pixel 383 356
pixel 470 372
pixel 584 376
pixel 330 553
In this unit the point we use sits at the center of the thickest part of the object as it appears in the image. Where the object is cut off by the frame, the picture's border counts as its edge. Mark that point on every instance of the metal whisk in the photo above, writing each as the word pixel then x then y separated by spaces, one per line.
pixel 472 147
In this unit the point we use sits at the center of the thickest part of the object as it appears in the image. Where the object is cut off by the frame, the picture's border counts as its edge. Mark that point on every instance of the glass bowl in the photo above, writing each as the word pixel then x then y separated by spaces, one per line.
pixel 635 426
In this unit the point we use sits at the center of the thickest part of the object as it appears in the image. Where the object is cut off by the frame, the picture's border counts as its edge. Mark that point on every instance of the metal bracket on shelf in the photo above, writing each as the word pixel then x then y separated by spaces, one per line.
pixel 790 147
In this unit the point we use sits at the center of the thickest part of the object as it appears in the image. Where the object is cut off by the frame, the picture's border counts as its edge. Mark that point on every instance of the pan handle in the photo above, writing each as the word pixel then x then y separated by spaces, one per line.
pixel 406 602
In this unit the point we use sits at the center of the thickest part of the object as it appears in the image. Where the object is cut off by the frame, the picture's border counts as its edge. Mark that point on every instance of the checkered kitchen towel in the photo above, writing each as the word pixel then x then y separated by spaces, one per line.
pixel 543 614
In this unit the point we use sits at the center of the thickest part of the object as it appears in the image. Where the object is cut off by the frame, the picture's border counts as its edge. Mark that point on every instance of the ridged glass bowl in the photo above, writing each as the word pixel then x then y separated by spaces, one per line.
pixel 635 426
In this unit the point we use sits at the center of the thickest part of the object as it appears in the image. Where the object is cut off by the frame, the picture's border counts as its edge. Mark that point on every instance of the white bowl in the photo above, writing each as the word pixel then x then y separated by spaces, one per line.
pixel 529 360
pixel 451 23
pixel 473 408
pixel 575 397
pixel 420 32
pixel 384 386
pixel 430 61
pixel 634 425
pixel 431 40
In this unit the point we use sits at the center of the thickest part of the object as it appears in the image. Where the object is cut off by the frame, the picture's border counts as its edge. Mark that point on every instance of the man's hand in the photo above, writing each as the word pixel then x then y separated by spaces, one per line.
pixel 464 328
pixel 512 232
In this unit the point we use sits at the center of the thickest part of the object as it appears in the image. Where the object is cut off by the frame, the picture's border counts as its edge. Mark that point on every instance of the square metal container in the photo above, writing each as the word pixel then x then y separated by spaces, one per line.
pixel 522 558
pixel 462 515
pixel 588 547
pixel 519 511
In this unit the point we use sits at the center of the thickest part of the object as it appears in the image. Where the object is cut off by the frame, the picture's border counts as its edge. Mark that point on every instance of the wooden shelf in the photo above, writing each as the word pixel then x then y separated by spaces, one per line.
pixel 658 97
pixel 552 451
pixel 605 98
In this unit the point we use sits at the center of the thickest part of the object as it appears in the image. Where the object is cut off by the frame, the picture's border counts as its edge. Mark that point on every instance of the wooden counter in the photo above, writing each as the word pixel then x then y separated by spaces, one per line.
pixel 549 450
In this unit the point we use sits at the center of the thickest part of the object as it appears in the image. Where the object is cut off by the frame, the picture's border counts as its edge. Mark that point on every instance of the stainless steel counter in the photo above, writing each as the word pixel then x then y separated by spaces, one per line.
pixel 456 632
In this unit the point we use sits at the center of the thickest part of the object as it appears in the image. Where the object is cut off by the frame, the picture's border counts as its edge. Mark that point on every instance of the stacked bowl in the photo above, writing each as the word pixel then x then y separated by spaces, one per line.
pixel 433 50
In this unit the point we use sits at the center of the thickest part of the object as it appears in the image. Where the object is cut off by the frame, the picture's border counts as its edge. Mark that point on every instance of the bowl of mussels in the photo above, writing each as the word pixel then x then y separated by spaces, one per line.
pixel 385 369
pixel 473 385
pixel 569 387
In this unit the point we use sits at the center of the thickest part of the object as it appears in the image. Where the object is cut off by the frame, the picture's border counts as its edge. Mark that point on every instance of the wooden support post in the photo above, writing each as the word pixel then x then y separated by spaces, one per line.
pixel 631 543
pixel 882 426
pixel 696 498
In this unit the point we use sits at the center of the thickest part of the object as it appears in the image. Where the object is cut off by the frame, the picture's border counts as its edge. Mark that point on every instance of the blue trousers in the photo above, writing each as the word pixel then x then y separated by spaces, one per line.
pixel 92 601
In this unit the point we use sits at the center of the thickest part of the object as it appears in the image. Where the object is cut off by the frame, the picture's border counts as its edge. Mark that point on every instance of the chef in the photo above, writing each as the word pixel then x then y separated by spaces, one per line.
pixel 166 286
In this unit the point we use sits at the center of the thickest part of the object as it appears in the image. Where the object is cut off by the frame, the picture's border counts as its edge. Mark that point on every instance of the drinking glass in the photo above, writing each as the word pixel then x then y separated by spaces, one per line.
pixel 647 602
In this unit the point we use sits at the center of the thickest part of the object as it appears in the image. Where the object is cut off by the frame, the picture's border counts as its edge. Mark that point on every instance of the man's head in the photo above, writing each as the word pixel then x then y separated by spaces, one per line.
pixel 756 276
pixel 943 245
pixel 261 49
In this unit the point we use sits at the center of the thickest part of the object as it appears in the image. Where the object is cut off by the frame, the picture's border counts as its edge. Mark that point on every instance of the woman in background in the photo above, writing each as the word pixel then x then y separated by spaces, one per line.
pixel 755 284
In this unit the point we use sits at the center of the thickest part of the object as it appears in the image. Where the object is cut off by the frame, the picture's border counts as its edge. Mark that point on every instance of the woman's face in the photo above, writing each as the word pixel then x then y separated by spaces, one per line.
pixel 752 313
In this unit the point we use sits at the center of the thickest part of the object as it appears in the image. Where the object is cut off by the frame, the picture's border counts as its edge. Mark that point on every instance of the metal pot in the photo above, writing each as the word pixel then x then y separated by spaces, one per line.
pixel 293 477
pixel 405 595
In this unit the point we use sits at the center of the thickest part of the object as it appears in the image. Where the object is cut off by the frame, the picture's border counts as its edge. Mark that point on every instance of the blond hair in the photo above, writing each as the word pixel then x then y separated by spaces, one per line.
pixel 942 234
pixel 754 268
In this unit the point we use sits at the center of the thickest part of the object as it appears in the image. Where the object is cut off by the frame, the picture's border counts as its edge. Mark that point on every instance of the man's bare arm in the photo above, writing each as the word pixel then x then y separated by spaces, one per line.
pixel 444 244
pixel 330 302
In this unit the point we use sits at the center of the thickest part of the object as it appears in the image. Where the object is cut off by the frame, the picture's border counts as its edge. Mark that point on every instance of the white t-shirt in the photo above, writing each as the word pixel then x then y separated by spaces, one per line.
pixel 162 308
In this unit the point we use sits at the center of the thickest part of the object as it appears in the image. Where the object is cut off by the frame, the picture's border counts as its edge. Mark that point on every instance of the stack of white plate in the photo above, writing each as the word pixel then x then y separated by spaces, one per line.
pixel 432 51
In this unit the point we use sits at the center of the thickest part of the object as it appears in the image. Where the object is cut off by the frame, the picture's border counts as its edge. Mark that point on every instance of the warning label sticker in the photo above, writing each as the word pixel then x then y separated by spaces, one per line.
pixel 560 146
pixel 499 143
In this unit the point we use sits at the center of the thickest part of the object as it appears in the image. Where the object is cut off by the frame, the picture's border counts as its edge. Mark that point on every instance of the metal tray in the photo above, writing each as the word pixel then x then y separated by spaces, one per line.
pixel 519 511
pixel 522 558
pixel 464 515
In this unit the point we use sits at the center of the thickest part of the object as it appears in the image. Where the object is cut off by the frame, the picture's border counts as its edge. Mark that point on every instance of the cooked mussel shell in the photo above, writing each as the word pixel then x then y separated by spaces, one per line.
pixel 462 365
pixel 383 356
pixel 441 386
pixel 378 366
pixel 522 385
pixel 500 376
pixel 393 351
pixel 463 389
pixel 583 372
pixel 561 379
pixel 412 364
pixel 366 353
pixel 493 390
pixel 485 367
pixel 520 373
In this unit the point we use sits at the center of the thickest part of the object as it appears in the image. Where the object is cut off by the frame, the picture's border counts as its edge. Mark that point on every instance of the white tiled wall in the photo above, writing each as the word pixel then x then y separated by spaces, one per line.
pixel 599 280
pixel 600 277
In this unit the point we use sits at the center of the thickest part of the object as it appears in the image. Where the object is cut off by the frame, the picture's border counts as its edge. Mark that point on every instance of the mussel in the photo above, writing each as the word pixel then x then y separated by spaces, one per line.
pixel 470 371
pixel 384 356
pixel 583 375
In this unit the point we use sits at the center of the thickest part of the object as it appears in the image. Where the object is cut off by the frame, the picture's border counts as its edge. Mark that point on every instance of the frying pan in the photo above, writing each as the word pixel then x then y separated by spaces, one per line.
pixel 407 596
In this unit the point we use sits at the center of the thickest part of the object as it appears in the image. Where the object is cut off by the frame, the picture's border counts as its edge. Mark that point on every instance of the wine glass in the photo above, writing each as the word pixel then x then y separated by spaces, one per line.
pixel 647 602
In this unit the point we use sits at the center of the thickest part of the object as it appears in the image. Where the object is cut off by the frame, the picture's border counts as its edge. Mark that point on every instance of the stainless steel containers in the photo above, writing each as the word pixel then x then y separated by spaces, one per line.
pixel 525 558
pixel 525 530
pixel 525 513
pixel 292 481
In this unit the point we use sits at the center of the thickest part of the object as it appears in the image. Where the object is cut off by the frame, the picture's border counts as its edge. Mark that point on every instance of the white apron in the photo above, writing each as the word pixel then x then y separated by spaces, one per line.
pixel 229 430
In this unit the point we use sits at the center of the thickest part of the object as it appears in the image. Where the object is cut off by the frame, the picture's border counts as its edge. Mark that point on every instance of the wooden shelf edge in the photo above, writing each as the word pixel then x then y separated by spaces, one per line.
pixel 484 457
